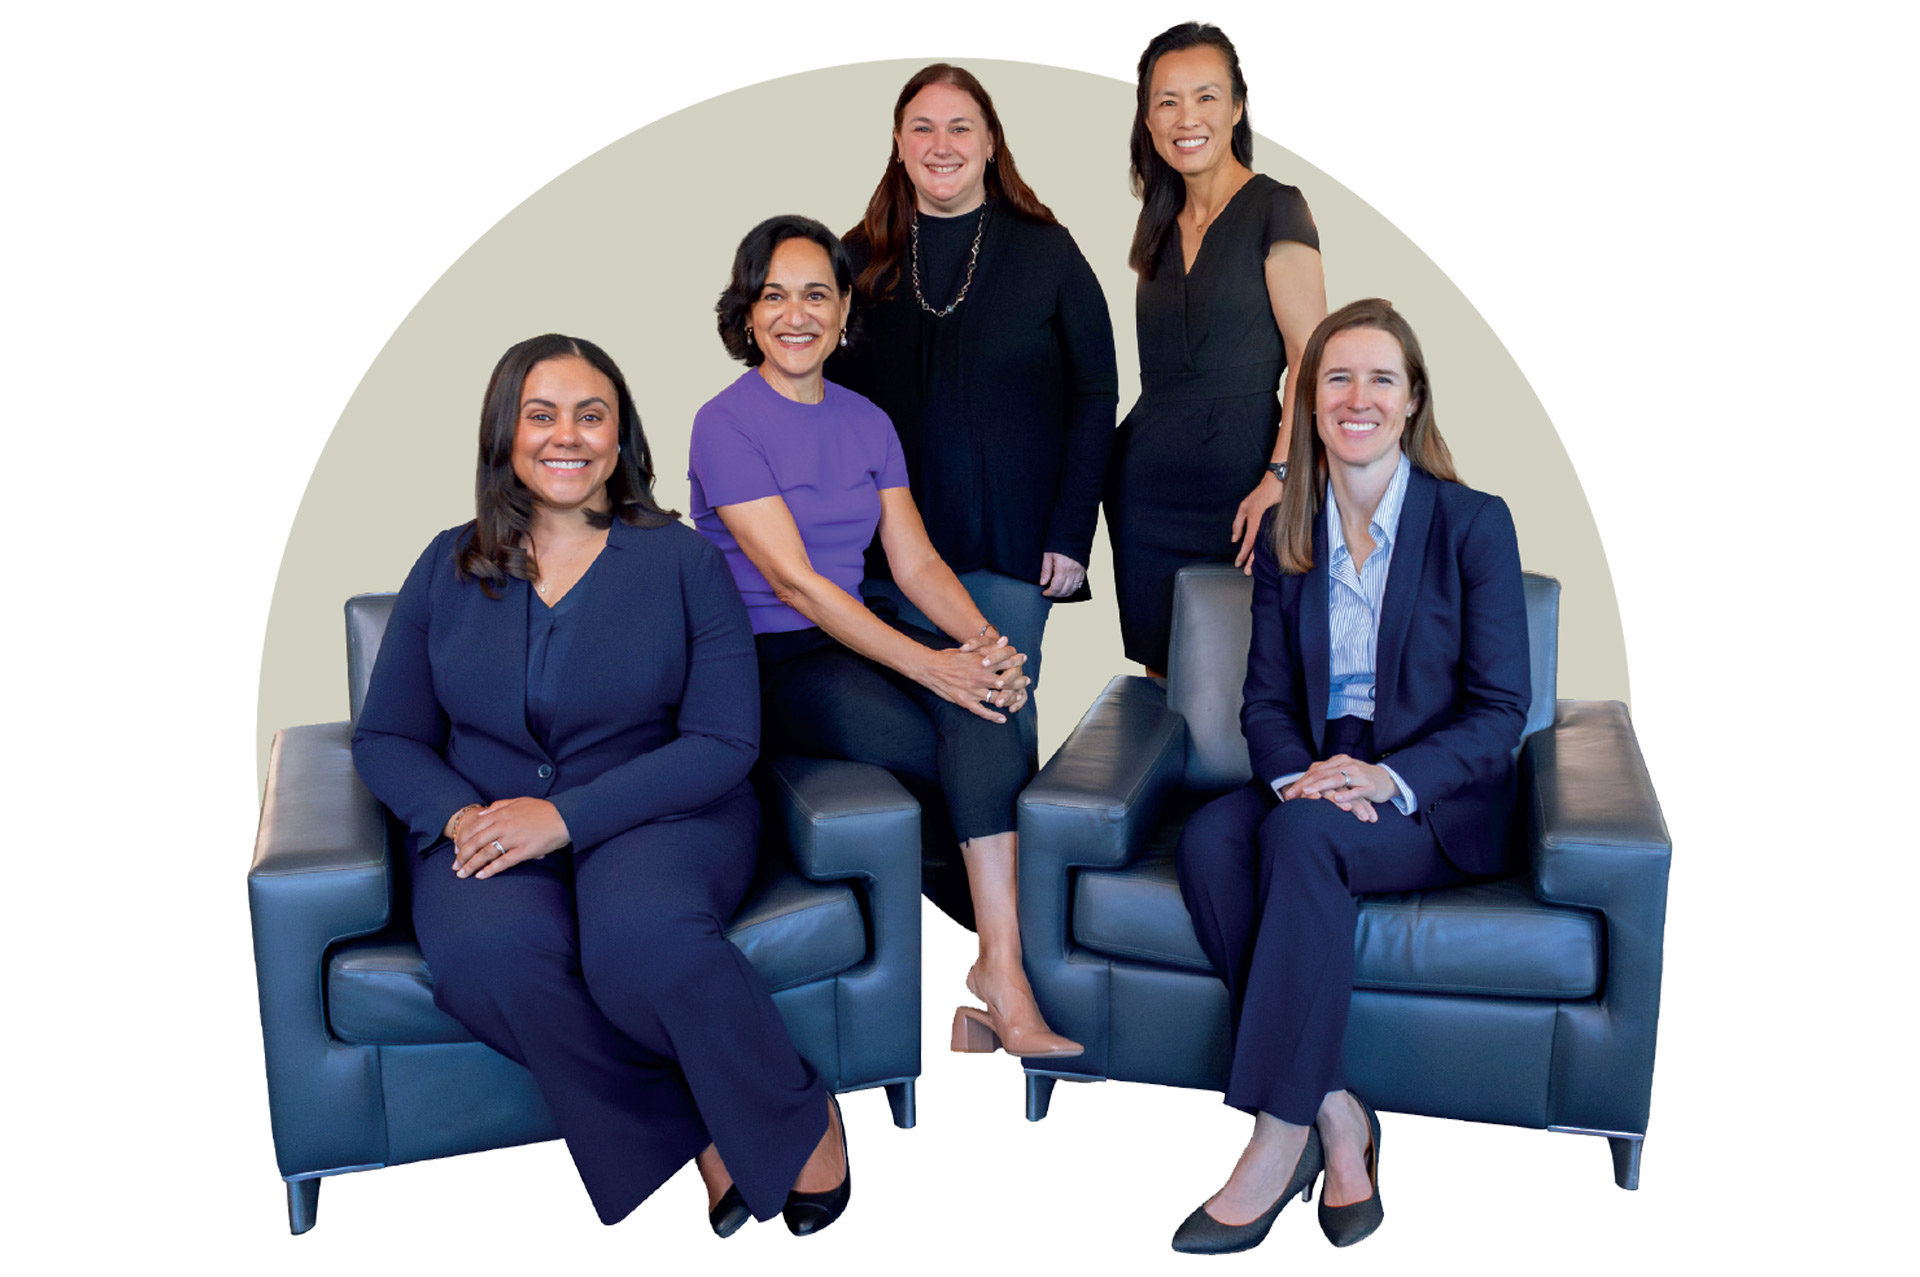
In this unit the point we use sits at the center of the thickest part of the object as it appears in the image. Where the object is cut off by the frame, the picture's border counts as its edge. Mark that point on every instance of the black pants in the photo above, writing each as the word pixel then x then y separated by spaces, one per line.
pixel 819 697
pixel 1272 888
pixel 606 973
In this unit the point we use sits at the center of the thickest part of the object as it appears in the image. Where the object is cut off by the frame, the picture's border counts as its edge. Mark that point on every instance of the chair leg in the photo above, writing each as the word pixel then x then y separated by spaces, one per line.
pixel 303 1204
pixel 900 1097
pixel 1039 1095
pixel 1626 1159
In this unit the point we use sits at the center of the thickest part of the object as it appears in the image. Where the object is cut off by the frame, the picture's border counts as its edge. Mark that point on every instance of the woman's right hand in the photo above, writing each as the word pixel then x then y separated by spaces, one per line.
pixel 973 677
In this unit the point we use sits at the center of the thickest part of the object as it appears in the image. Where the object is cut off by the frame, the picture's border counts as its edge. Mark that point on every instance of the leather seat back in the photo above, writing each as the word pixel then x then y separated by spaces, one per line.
pixel 366 622
pixel 1207 664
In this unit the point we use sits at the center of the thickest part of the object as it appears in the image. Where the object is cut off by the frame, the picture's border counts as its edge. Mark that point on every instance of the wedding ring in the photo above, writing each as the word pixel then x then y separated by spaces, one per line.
pixel 497 847
pixel 1343 776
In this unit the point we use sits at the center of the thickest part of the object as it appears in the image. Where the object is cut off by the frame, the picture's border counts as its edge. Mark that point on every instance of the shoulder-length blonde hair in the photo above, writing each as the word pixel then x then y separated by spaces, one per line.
pixel 1307 456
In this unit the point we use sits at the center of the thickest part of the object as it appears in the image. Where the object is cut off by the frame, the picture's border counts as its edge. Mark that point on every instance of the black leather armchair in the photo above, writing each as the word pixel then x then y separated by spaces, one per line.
pixel 363 1070
pixel 1530 1000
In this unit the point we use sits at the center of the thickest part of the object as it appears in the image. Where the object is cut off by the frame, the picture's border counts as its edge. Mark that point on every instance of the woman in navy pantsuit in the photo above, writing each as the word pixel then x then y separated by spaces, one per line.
pixel 1387 687
pixel 563 715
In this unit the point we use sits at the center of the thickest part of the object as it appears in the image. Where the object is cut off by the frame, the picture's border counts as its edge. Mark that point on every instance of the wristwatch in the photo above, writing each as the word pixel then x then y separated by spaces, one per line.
pixel 1279 469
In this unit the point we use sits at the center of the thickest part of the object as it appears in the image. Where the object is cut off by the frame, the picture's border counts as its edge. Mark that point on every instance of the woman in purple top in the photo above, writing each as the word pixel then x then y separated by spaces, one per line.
pixel 791 476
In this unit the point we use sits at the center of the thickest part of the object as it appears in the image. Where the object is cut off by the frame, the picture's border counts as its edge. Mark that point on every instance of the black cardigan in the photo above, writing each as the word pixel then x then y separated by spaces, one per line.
pixel 1037 395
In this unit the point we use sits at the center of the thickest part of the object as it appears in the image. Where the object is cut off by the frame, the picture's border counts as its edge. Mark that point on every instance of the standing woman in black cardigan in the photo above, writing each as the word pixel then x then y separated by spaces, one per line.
pixel 988 344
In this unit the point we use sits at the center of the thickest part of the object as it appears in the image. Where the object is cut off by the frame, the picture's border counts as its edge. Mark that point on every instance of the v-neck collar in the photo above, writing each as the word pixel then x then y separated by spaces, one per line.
pixel 1180 235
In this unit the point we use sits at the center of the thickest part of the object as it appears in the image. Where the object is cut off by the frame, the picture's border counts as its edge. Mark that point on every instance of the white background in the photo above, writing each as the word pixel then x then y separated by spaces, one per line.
pixel 1689 223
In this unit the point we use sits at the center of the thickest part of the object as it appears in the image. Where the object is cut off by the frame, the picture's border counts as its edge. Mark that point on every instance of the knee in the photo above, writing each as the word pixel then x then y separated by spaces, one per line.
pixel 1301 839
pixel 650 955
pixel 477 970
pixel 1216 844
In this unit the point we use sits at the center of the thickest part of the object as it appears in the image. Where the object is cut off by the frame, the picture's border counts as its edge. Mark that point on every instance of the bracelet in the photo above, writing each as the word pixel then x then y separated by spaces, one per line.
pixel 453 830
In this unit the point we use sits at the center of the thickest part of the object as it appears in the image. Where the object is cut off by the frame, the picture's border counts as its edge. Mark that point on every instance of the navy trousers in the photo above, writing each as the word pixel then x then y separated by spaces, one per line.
pixel 1273 890
pixel 606 973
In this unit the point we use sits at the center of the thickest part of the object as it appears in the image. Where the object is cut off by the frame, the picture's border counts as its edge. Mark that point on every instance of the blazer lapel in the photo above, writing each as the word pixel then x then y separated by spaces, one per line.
pixel 1404 576
pixel 1316 633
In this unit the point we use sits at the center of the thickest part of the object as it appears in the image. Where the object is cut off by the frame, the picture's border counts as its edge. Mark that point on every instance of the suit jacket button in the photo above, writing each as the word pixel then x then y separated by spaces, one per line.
pixel 546 771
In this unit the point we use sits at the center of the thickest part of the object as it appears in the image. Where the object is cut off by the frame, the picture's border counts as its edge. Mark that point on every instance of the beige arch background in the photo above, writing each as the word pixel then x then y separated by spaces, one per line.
pixel 631 246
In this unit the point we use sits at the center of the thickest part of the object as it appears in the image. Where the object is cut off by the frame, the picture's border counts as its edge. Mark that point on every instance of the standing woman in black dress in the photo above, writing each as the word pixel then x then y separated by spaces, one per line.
pixel 988 344
pixel 1230 288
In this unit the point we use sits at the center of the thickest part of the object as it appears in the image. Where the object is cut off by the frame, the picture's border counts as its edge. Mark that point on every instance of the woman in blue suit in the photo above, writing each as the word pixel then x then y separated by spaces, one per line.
pixel 1387 687
pixel 563 715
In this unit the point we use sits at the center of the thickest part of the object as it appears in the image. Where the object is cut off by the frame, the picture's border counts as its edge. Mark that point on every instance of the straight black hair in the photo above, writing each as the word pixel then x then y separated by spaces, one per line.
pixel 1162 192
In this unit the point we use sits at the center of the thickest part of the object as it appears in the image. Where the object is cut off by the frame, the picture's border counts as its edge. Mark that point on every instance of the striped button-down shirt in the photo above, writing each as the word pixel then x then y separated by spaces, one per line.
pixel 1353 613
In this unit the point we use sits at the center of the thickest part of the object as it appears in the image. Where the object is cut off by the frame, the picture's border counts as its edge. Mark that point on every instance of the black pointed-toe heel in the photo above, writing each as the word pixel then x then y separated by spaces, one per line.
pixel 1202 1234
pixel 729 1213
pixel 810 1212
pixel 1345 1225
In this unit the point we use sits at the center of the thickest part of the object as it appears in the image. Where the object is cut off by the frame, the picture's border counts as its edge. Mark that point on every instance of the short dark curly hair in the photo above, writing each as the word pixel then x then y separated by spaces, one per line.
pixel 750 263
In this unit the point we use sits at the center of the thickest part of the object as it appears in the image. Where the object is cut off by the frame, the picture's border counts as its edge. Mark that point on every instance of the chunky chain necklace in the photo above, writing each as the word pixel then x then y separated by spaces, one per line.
pixel 973 259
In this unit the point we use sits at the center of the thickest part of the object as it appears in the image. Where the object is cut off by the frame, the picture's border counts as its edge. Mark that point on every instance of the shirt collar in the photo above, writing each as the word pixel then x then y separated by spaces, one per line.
pixel 1385 524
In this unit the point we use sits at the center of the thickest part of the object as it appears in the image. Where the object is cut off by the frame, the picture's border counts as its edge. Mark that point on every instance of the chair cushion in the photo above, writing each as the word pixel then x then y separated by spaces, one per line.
pixel 1488 938
pixel 794 931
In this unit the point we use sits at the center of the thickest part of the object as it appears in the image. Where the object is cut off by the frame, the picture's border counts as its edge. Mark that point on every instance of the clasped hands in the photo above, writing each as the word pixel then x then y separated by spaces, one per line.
pixel 1347 783
pixel 488 839
pixel 981 674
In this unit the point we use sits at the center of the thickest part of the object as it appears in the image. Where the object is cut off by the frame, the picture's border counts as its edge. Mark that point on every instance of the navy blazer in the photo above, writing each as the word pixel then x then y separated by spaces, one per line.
pixel 661 715
pixel 1452 681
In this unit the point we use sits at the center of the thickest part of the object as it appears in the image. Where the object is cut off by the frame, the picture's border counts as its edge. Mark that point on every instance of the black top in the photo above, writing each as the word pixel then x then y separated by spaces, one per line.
pixel 1217 322
pixel 1005 407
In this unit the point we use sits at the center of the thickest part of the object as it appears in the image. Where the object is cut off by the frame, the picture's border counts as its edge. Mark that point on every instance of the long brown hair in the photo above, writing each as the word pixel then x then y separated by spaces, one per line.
pixel 1307 456
pixel 888 225
pixel 503 508
pixel 1163 192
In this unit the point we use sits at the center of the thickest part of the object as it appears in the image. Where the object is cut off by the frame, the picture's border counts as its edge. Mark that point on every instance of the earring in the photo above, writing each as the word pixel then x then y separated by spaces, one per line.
pixel 843 339
pixel 749 332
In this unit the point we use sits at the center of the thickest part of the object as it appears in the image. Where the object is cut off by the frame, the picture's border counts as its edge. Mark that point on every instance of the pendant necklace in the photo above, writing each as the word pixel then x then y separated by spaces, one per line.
pixel 973 259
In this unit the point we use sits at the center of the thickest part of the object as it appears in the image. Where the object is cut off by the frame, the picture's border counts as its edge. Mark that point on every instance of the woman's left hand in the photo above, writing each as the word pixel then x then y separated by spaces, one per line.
pixel 1246 520
pixel 507 832
pixel 1060 576
pixel 1348 783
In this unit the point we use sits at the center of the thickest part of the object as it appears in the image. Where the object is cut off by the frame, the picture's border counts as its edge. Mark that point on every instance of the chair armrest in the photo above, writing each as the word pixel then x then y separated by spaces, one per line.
pixel 1097 800
pixel 1094 804
pixel 1597 841
pixel 1595 835
pixel 320 874
pixel 851 820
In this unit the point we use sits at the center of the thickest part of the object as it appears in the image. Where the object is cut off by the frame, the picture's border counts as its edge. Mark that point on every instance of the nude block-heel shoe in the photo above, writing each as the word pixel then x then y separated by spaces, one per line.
pixel 973 1031
pixel 984 1030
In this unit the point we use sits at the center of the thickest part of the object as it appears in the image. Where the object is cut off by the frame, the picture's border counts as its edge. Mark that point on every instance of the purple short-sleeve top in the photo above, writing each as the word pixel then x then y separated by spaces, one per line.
pixel 828 461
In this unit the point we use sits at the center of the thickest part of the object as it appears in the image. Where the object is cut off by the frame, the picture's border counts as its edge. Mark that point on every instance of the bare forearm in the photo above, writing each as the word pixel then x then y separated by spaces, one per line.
pixel 932 587
pixel 848 620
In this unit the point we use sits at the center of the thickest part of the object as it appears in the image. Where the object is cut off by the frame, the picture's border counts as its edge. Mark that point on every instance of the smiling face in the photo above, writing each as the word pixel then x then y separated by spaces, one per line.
pixel 945 145
pixel 566 441
pixel 1362 399
pixel 798 317
pixel 1190 109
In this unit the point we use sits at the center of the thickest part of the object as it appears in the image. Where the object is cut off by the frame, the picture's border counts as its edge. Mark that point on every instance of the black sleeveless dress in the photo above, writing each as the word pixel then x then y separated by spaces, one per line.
pixel 1201 433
